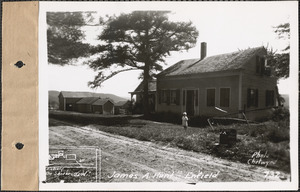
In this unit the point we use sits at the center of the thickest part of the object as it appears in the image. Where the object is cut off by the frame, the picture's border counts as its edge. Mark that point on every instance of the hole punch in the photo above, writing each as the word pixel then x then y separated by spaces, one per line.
pixel 19 146
pixel 19 64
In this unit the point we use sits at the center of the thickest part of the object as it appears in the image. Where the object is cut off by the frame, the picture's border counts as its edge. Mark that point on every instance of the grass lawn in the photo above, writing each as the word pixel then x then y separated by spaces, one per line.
pixel 269 138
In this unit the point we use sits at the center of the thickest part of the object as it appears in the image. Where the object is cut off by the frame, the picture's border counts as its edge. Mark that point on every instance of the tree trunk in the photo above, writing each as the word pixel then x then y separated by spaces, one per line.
pixel 146 90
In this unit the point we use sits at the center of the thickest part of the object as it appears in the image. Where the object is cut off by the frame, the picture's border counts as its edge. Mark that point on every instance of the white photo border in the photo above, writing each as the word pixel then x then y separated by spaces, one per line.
pixel 241 186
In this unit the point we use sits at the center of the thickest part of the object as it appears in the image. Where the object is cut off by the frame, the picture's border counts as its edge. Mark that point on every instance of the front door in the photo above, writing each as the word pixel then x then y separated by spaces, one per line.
pixel 190 102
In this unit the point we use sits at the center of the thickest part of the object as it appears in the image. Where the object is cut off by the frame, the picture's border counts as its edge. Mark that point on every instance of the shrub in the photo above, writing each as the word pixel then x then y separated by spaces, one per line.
pixel 277 134
pixel 280 114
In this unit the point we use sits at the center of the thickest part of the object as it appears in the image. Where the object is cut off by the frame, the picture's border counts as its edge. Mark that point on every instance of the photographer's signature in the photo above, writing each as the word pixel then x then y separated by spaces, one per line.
pixel 259 158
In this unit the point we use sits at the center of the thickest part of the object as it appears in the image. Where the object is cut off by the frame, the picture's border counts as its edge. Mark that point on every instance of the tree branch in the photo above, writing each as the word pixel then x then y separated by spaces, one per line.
pixel 100 77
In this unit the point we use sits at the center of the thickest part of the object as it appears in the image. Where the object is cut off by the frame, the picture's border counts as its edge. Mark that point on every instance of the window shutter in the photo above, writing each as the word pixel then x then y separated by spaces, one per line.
pixel 272 98
pixel 183 97
pixel 159 96
pixel 178 97
pixel 196 97
pixel 267 98
pixel 248 97
pixel 168 97
pixel 256 97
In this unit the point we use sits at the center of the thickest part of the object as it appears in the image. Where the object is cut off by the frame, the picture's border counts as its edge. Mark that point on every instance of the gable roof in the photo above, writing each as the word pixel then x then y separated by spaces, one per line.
pixel 71 94
pixel 87 100
pixel 222 62
pixel 151 86
pixel 102 101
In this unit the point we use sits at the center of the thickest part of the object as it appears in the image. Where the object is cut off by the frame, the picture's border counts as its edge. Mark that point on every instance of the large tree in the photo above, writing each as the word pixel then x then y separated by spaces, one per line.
pixel 65 36
pixel 139 41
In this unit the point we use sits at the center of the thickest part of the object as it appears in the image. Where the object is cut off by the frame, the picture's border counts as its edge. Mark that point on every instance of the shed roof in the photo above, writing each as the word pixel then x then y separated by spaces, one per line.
pixel 102 101
pixel 151 86
pixel 222 62
pixel 88 100
pixel 76 94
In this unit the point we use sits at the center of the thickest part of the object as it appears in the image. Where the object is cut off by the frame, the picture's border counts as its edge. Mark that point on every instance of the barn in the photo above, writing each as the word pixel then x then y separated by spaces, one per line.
pixel 84 105
pixel 233 82
pixel 103 106
pixel 68 99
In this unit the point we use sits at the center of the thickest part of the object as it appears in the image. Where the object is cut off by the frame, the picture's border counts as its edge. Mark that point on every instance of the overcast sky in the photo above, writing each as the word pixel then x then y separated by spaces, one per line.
pixel 226 27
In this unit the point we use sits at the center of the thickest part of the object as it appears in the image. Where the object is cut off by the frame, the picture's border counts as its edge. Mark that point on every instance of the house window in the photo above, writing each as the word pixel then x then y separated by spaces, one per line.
pixel 165 96
pixel 224 97
pixel 175 96
pixel 260 65
pixel 210 97
pixel 269 98
pixel 252 98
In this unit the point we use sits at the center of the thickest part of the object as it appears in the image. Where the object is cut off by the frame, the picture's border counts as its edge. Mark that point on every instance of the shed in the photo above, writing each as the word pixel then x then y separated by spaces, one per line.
pixel 84 105
pixel 103 106
pixel 68 99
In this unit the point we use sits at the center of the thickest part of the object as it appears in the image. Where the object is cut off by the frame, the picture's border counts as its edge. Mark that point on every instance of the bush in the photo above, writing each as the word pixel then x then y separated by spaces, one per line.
pixel 277 134
pixel 271 131
pixel 280 114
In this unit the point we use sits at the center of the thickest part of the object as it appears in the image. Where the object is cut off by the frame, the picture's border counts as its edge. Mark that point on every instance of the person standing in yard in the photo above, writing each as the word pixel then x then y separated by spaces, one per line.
pixel 185 120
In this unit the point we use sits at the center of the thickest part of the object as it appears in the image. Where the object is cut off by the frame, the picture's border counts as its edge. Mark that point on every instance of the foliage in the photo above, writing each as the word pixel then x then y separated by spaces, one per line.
pixel 139 41
pixel 281 114
pixel 280 61
pixel 64 36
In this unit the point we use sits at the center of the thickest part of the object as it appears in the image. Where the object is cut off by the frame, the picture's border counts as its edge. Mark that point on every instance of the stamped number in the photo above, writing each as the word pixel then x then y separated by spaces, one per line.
pixel 272 174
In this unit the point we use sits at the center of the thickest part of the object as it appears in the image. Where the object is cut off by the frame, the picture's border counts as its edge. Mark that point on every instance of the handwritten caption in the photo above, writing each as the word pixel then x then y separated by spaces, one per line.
pixel 162 175
pixel 259 158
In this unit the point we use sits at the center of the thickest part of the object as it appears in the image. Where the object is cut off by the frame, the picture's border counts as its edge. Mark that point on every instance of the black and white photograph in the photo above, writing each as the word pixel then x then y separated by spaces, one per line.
pixel 168 95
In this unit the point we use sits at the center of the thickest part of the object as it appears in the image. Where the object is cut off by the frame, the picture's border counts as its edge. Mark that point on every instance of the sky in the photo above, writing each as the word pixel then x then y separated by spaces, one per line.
pixel 225 27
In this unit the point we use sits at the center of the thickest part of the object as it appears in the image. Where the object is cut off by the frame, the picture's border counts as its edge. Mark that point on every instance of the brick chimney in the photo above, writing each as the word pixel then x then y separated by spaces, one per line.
pixel 203 50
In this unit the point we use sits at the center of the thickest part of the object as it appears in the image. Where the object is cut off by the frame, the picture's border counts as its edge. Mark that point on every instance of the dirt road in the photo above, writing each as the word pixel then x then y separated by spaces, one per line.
pixel 129 160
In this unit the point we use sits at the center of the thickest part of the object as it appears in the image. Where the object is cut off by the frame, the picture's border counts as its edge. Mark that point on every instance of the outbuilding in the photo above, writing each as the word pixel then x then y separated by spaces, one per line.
pixel 68 99
pixel 103 106
pixel 84 105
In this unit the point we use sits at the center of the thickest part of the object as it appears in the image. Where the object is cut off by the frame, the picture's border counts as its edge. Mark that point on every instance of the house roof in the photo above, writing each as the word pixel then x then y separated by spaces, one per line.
pixel 102 101
pixel 151 86
pixel 71 94
pixel 223 62
pixel 76 94
pixel 87 100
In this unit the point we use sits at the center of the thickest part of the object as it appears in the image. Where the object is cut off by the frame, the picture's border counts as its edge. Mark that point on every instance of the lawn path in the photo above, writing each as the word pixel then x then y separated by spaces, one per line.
pixel 148 161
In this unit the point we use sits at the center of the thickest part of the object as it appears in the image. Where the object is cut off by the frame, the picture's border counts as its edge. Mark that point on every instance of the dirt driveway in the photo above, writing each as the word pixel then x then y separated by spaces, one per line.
pixel 129 160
